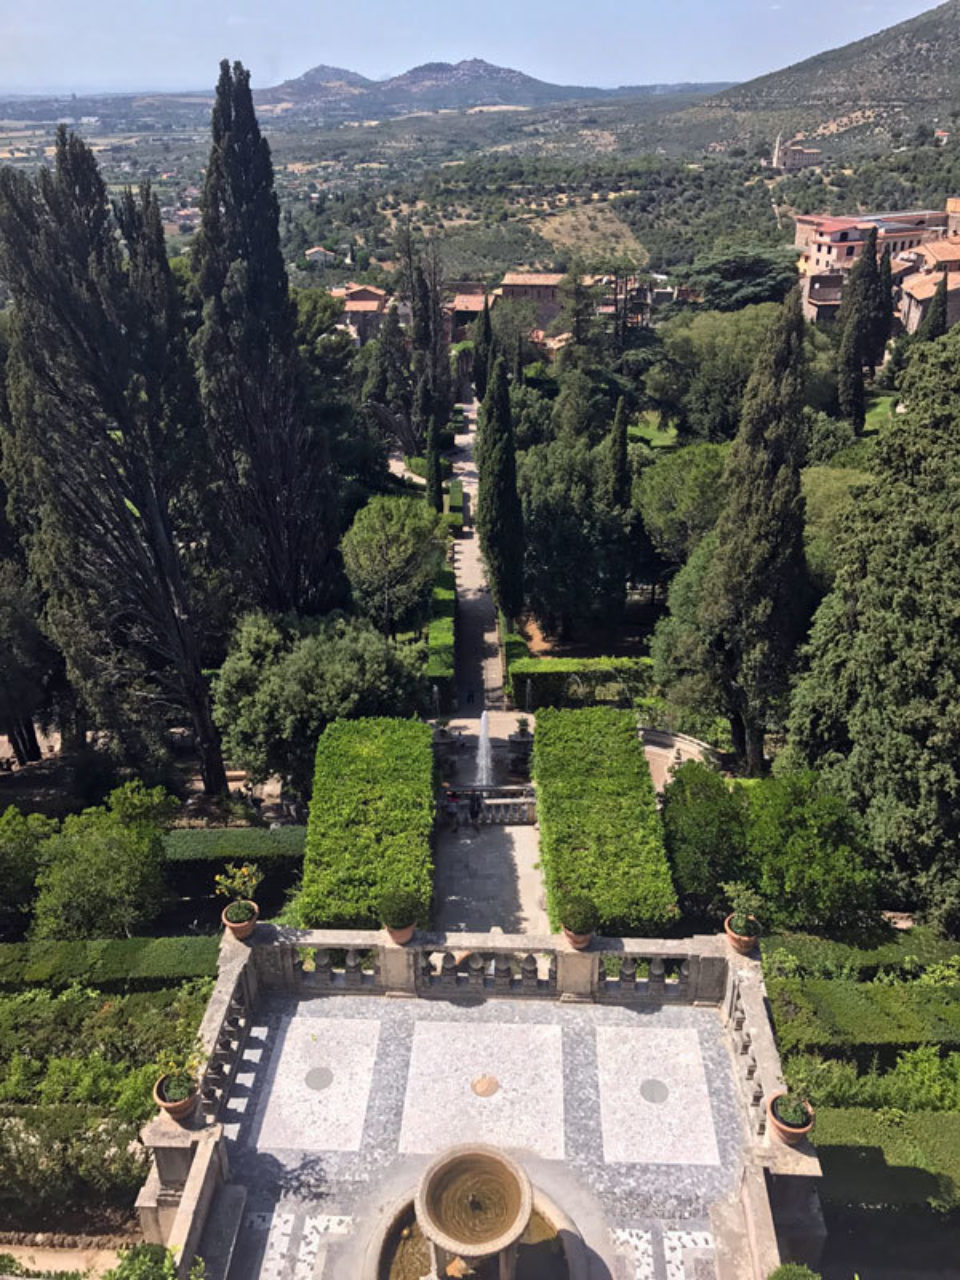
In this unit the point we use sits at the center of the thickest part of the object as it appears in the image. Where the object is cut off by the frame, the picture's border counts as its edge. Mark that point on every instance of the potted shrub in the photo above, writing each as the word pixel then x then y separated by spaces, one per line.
pixel 790 1116
pixel 399 909
pixel 742 926
pixel 178 1084
pixel 239 883
pixel 578 915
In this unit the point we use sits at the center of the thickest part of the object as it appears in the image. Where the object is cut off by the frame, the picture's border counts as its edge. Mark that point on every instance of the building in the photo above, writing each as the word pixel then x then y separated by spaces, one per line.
pixel 464 308
pixel 363 309
pixel 539 287
pixel 323 257
pixel 938 255
pixel 791 157
pixel 916 294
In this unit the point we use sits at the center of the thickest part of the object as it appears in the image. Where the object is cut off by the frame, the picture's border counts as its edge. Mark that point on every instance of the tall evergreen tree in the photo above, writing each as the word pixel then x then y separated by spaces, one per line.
pixel 102 442
pixel 850 388
pixel 482 346
pixel 885 303
pixel 499 514
pixel 863 298
pixel 934 323
pixel 748 606
pixel 434 465
pixel 616 464
pixel 279 497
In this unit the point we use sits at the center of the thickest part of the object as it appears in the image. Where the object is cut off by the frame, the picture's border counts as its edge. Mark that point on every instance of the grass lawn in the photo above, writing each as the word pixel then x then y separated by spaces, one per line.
pixel 648 430
pixel 880 409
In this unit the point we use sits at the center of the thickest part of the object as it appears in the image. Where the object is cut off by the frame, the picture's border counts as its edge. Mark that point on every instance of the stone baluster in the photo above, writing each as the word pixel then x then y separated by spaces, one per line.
pixel 528 974
pixel 502 973
pixel 751 1067
pixel 352 971
pixel 322 966
pixel 448 971
pixel 475 967
pixel 628 976
pixel 683 981
pixel 424 971
pixel 552 973
pixel 657 978
pixel 745 1042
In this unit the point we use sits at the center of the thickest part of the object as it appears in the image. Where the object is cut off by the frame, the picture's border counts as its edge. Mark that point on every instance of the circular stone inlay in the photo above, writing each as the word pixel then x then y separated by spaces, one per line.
pixel 319 1078
pixel 485 1086
pixel 654 1091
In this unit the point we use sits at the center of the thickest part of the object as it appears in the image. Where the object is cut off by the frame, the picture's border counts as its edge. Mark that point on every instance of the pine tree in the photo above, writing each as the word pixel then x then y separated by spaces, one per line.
pixel 482 346
pixel 616 488
pixel 850 389
pixel 103 443
pixel 279 497
pixel 754 608
pixel 499 515
pixel 934 323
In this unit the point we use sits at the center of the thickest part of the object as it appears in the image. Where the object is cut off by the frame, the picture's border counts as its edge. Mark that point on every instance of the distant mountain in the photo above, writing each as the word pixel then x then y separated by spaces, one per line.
pixel 438 86
pixel 915 62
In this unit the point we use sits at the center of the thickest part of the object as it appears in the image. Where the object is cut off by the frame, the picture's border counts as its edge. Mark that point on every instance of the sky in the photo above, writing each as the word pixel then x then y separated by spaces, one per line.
pixel 103 45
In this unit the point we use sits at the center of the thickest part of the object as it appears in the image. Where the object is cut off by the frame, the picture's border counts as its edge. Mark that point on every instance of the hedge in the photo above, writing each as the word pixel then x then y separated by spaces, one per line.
pixel 802 955
pixel 371 821
pixel 419 466
pixel 882 1159
pixel 569 682
pixel 600 833
pixel 861 1021
pixel 233 844
pixel 453 507
pixel 127 964
pixel 441 639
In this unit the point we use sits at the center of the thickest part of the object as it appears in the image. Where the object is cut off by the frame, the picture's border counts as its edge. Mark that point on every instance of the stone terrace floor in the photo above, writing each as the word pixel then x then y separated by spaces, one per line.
pixel 627 1118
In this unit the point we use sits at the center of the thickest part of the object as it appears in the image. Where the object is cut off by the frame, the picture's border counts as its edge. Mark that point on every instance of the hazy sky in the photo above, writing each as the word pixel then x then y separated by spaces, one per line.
pixel 172 44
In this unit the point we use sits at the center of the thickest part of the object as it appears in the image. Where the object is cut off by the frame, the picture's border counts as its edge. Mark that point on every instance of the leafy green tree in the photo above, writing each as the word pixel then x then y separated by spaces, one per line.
pixel 281 685
pixel 876 709
pixel 102 444
pixel 392 553
pixel 705 831
pixel 278 499
pixel 850 389
pixel 499 513
pixel 829 494
pixel 734 278
pixel 102 874
pixel 28 662
pixel 681 495
pixel 22 837
pixel 805 844
pixel 934 323
pixel 388 390
pixel 482 347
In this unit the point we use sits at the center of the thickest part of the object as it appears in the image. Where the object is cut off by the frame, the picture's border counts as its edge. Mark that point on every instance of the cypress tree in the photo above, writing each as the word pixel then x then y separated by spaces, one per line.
pixel 499 514
pixel 434 472
pixel 482 346
pixel 616 464
pixel 850 390
pixel 754 609
pixel 863 299
pixel 278 505
pixel 885 304
pixel 518 360
pixel 934 323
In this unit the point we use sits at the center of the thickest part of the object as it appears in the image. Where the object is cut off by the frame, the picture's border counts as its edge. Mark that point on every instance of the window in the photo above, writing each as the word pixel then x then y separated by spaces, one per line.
pixel 850 252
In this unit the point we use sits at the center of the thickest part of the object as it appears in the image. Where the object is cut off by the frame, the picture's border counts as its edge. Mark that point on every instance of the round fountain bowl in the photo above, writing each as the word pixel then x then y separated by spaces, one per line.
pixel 473 1202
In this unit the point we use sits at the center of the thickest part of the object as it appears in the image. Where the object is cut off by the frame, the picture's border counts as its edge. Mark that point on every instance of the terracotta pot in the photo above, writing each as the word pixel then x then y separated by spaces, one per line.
pixel 579 941
pixel 245 927
pixel 175 1110
pixel 786 1132
pixel 742 942
pixel 401 936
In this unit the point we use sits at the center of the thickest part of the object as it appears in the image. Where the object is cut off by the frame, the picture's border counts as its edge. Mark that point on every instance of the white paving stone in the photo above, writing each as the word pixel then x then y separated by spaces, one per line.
pixel 301 1118
pixel 677 1130
pixel 526 1112
pixel 638 1247
pixel 675 1246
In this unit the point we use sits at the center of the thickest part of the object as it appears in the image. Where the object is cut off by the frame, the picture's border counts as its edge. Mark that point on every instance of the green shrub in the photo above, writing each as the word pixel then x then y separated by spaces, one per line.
pixel 575 682
pixel 121 964
pixel 419 466
pixel 859 1021
pixel 888 1158
pixel 223 844
pixel 21 839
pixel 578 913
pixel 793 1271
pixel 399 908
pixel 441 640
pixel 905 953
pixel 921 1080
pixel 704 830
pixel 371 822
pixel 600 833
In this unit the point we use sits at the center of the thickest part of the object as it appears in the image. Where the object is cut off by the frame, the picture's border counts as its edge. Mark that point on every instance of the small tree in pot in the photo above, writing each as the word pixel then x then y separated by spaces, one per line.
pixel 578 915
pixel 178 1083
pixel 399 909
pixel 240 884
pixel 742 926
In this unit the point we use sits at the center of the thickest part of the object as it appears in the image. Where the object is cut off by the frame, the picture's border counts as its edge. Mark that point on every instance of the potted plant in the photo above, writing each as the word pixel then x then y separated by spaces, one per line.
pixel 399 909
pixel 742 926
pixel 239 883
pixel 790 1116
pixel 578 916
pixel 523 726
pixel 178 1083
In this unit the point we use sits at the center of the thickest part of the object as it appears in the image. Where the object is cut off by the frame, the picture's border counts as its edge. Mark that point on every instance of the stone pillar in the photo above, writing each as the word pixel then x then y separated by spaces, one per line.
pixel 173 1147
pixel 397 971
pixel 577 974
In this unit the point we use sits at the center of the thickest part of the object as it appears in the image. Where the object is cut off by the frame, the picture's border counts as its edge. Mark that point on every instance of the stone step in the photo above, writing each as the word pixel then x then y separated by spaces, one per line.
pixel 220 1233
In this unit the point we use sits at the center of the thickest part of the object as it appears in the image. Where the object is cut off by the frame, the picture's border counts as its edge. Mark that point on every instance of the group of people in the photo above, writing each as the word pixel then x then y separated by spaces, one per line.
pixel 456 802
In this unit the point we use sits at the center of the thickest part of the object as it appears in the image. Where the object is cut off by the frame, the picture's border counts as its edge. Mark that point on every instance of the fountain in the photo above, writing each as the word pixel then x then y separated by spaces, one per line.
pixel 484 753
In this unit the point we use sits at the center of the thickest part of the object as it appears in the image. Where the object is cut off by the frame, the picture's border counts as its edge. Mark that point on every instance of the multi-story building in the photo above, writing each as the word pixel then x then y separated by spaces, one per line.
pixel 542 288
pixel 791 157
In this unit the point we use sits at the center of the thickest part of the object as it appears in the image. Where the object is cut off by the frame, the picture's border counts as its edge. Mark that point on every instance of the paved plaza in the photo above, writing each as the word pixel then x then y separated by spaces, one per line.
pixel 343 1101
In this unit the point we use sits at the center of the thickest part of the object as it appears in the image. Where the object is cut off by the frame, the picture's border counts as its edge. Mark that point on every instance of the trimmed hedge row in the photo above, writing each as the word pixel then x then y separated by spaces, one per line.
pixel 233 844
pixel 802 955
pixel 441 639
pixel 600 833
pixel 419 465
pixel 127 964
pixel 513 645
pixel 872 1158
pixel 861 1021
pixel 371 822
pixel 568 682
pixel 453 506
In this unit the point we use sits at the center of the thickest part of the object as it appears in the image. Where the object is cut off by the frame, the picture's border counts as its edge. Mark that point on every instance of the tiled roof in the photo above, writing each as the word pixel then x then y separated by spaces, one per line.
pixel 533 278
pixel 468 302
pixel 923 284
pixel 941 250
